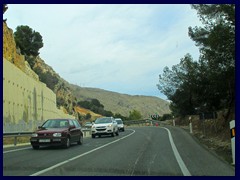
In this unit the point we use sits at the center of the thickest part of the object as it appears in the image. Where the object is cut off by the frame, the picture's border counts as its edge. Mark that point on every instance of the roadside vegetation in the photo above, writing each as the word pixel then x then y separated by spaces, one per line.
pixel 206 84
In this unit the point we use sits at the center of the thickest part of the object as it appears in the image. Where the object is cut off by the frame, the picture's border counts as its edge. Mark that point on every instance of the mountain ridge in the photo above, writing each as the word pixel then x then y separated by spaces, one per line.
pixel 123 103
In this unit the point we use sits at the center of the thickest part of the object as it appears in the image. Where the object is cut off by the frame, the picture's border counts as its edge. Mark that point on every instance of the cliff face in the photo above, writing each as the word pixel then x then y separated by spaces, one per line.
pixel 10 52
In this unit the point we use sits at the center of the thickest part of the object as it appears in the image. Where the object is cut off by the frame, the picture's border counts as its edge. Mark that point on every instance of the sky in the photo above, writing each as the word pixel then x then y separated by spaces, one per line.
pixel 116 47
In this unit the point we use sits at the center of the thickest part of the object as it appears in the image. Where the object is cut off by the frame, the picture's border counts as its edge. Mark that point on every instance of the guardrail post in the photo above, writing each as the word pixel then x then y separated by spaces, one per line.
pixel 190 126
pixel 86 133
pixel 15 141
pixel 232 130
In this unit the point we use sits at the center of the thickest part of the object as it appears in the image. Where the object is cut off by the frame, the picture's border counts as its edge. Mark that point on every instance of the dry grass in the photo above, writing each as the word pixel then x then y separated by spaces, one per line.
pixel 10 140
pixel 123 103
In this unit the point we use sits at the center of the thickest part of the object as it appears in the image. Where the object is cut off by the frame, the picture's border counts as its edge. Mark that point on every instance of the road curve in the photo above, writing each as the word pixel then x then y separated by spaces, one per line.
pixel 139 151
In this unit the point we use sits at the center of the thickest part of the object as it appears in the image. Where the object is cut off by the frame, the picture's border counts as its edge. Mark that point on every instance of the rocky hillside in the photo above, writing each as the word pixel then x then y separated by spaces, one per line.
pixel 60 87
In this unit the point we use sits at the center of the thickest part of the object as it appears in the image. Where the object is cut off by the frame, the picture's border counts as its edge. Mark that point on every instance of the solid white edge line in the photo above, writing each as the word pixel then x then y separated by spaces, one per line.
pixel 181 164
pixel 16 150
pixel 76 157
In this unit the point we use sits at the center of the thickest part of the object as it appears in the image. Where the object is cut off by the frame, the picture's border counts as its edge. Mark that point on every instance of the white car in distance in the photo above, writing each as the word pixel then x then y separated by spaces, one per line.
pixel 120 124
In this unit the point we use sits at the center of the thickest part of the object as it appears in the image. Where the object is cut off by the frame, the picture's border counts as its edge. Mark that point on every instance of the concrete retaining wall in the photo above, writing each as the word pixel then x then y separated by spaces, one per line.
pixel 26 101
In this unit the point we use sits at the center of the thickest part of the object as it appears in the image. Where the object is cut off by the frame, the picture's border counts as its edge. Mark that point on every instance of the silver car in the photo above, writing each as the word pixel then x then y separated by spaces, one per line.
pixel 120 124
pixel 88 125
pixel 104 126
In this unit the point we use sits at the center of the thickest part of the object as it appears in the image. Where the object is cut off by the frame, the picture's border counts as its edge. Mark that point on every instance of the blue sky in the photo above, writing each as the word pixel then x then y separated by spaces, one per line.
pixel 116 47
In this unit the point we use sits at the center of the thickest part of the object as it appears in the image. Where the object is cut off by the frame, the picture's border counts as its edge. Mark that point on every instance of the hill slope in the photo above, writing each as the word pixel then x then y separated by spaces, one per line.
pixel 123 103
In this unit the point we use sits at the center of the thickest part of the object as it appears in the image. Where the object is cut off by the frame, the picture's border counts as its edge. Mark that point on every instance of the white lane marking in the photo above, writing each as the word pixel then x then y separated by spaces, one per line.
pixel 16 150
pixel 181 164
pixel 17 145
pixel 81 155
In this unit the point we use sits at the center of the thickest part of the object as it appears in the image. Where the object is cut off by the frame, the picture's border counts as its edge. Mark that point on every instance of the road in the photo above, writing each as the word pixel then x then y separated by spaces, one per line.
pixel 139 151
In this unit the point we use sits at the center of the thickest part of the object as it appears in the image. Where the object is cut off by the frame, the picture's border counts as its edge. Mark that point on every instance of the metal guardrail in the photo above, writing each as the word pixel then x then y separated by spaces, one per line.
pixel 131 122
pixel 11 134
pixel 16 135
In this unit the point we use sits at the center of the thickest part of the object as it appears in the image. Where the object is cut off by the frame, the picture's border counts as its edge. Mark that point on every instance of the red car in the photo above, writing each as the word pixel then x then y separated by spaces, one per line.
pixel 57 132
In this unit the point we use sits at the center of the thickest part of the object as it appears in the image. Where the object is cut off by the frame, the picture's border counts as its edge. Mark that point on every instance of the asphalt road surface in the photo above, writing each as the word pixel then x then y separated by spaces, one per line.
pixel 139 151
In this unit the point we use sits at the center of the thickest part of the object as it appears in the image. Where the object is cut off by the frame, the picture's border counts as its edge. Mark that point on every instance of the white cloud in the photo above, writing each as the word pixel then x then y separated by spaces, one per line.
pixel 115 47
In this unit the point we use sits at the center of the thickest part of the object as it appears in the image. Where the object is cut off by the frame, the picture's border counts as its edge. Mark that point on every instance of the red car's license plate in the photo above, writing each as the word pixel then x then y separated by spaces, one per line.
pixel 44 140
